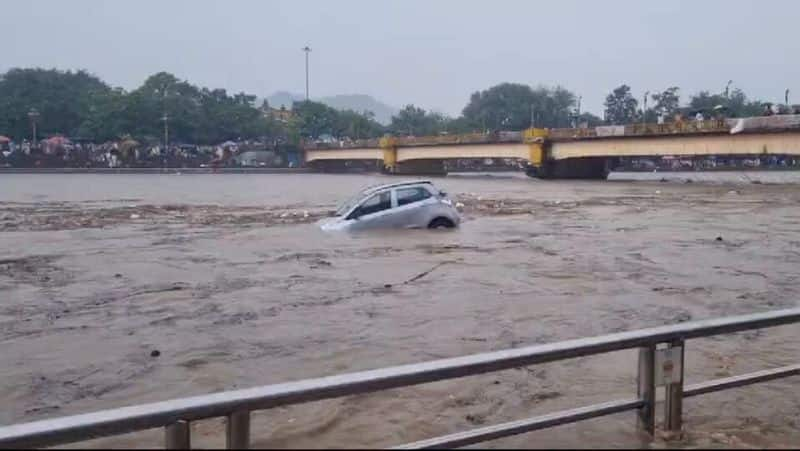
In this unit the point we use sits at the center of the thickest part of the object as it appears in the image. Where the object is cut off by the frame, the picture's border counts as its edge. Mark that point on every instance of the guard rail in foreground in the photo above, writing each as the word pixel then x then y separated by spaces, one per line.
pixel 661 352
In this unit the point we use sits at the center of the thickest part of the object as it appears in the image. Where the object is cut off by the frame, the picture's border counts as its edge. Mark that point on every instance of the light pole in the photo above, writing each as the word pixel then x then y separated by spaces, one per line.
pixel 533 121
pixel 786 97
pixel 728 90
pixel 307 50
pixel 33 115
pixel 165 118
pixel 644 107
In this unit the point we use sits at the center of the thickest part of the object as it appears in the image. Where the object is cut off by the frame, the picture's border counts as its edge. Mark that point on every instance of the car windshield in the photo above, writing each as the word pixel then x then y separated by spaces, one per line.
pixel 352 202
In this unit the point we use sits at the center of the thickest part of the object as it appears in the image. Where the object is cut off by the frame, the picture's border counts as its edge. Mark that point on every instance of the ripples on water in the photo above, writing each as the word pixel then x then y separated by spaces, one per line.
pixel 233 304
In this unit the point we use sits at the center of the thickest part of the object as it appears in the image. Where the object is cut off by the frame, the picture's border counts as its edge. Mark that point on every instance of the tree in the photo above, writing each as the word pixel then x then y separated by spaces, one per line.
pixel 736 102
pixel 620 106
pixel 415 121
pixel 63 100
pixel 461 125
pixel 512 106
pixel 590 120
pixel 314 119
pixel 354 125
pixel 667 102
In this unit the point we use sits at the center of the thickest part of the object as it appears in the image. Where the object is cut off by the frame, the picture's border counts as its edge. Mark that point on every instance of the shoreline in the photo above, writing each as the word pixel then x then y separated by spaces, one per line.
pixel 313 171
pixel 155 171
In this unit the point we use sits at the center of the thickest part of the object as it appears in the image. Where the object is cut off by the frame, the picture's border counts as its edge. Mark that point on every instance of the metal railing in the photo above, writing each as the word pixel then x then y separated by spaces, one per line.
pixel 175 415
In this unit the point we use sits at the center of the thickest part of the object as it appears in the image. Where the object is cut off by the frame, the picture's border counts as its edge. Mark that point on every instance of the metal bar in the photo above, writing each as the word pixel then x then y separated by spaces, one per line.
pixel 646 418
pixel 519 427
pixel 178 435
pixel 238 430
pixel 129 419
pixel 673 401
pixel 741 381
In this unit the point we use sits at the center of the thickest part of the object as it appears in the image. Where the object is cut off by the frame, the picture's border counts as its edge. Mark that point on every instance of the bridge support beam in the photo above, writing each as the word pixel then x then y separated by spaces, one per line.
pixel 420 167
pixel 593 168
pixel 346 166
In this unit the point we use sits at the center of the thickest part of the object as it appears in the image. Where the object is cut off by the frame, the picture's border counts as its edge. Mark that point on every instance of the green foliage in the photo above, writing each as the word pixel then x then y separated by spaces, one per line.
pixel 415 121
pixel 358 125
pixel 315 119
pixel 620 106
pixel 667 102
pixel 736 102
pixel 63 100
pixel 590 119
pixel 512 106
pixel 78 104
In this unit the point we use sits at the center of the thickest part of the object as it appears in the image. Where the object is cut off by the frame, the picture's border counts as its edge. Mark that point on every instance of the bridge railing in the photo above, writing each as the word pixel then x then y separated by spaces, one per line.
pixel 661 362
pixel 370 143
pixel 643 129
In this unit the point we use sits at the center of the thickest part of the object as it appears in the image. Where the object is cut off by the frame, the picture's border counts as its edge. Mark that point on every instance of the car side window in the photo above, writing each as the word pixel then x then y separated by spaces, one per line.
pixel 407 196
pixel 376 203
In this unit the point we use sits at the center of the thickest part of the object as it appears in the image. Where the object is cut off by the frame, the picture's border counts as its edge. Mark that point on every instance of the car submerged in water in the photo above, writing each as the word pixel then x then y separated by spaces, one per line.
pixel 406 205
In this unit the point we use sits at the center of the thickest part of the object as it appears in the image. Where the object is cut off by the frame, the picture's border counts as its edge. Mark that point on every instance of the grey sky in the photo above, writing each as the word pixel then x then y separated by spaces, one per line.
pixel 432 53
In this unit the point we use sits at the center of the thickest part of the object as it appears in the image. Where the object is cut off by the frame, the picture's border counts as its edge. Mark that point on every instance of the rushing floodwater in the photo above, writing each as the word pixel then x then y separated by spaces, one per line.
pixel 230 280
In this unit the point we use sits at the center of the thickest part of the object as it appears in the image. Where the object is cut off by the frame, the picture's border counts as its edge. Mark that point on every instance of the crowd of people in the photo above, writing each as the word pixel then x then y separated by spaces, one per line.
pixel 669 163
pixel 60 152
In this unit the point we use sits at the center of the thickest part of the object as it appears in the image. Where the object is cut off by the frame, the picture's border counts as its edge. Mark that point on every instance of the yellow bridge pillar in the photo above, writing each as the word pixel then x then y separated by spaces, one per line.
pixel 389 146
pixel 535 139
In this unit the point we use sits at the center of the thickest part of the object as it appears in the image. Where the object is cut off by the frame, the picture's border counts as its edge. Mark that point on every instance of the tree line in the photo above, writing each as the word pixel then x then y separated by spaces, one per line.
pixel 78 104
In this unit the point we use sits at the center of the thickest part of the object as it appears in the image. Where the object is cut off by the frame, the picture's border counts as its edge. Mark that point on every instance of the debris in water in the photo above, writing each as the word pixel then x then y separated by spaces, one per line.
pixel 155 353
pixel 118 275
pixel 135 216
pixel 719 238
pixel 658 191
pixel 284 215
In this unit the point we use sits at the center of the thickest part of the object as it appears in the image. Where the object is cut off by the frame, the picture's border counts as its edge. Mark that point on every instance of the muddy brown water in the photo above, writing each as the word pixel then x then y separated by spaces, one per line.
pixel 228 277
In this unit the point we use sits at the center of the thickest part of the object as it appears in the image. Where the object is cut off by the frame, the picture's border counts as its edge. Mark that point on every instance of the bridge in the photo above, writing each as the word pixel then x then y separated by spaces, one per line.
pixel 569 153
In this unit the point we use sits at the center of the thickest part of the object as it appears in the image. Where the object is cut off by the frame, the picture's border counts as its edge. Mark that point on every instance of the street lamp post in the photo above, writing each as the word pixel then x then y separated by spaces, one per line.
pixel 728 90
pixel 307 50
pixel 33 115
pixel 644 108
pixel 165 118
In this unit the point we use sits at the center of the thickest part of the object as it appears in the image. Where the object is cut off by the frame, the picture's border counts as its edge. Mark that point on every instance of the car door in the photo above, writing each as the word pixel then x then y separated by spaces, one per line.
pixel 373 213
pixel 414 206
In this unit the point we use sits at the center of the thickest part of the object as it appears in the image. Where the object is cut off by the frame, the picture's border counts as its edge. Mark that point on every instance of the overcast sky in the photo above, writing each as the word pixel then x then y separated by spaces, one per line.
pixel 432 53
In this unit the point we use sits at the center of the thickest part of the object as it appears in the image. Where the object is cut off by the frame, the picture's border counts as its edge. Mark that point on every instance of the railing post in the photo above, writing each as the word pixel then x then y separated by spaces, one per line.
pixel 178 435
pixel 238 430
pixel 646 418
pixel 673 402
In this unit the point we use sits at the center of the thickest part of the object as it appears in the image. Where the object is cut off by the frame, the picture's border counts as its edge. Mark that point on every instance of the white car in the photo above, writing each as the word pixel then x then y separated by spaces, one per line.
pixel 410 205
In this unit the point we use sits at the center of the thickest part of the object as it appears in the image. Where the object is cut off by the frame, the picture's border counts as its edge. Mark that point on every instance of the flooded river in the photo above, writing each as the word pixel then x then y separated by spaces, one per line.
pixel 124 289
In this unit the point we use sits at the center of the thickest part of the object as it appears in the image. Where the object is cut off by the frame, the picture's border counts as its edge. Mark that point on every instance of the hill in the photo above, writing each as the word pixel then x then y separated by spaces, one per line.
pixel 355 102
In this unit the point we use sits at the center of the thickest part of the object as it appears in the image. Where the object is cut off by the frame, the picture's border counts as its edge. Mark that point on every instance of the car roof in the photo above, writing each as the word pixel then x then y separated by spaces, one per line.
pixel 373 189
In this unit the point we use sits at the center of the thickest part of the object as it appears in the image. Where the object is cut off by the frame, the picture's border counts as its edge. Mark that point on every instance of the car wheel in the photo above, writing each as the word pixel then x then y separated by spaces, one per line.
pixel 441 223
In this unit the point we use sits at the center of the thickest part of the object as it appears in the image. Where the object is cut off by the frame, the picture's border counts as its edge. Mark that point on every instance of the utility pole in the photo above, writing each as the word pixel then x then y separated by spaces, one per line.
pixel 33 115
pixel 166 132
pixel 307 50
pixel 786 97
pixel 532 118
pixel 644 108
pixel 728 90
